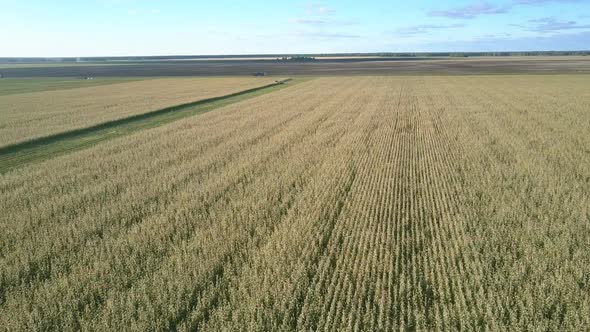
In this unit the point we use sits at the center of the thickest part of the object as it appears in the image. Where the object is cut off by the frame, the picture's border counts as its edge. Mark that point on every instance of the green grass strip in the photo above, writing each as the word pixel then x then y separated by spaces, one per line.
pixel 36 150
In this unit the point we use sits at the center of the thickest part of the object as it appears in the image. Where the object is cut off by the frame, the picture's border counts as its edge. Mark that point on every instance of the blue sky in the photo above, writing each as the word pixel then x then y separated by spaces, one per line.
pixel 148 27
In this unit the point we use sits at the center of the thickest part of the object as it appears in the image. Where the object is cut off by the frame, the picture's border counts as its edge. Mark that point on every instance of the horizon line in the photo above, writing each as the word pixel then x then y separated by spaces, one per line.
pixel 382 53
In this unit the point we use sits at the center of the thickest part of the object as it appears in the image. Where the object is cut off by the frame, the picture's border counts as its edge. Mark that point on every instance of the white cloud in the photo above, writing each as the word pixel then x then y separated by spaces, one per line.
pixel 318 10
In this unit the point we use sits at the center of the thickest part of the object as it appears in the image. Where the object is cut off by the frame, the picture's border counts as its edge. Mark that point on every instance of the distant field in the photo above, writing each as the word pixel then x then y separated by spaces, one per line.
pixel 344 203
pixel 52 64
pixel 342 66
pixel 9 86
pixel 28 116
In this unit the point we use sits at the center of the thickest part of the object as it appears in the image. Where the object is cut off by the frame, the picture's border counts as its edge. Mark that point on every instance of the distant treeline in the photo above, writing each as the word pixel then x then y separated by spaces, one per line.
pixel 297 58
pixel 291 57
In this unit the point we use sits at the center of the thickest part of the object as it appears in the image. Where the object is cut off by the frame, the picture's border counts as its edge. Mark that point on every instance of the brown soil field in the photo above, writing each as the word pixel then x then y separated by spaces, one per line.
pixel 342 66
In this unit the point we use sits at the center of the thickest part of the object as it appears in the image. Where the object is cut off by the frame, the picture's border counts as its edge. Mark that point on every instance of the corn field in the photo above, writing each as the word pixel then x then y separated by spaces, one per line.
pixel 27 116
pixel 344 203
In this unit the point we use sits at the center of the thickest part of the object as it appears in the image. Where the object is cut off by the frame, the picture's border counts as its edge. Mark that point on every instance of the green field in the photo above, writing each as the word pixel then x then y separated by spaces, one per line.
pixel 365 203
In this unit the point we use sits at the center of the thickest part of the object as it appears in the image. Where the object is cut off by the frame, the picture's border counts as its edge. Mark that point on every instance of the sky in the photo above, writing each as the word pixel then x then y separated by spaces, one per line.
pixel 61 28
